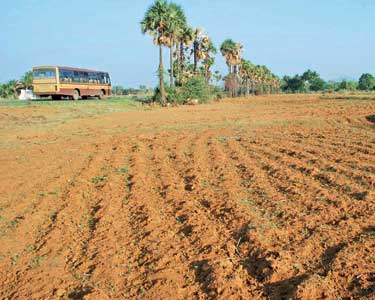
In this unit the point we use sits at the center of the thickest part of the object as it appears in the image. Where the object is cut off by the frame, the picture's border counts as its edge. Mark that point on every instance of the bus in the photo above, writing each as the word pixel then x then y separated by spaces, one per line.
pixel 74 83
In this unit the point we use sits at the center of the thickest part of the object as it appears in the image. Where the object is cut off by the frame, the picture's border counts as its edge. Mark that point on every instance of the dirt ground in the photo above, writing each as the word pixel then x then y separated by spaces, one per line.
pixel 262 198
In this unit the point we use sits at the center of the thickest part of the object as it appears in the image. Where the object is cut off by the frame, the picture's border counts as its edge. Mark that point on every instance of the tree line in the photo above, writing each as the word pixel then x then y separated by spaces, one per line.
pixel 311 81
pixel 191 51
pixel 10 89
pixel 192 55
pixel 119 90
pixel 244 77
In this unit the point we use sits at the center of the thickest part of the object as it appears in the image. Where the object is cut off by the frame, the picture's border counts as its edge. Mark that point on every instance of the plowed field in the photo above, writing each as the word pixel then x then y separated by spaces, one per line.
pixel 260 198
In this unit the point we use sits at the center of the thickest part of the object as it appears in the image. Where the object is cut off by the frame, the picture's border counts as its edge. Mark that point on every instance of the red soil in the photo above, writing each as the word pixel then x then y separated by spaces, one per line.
pixel 266 198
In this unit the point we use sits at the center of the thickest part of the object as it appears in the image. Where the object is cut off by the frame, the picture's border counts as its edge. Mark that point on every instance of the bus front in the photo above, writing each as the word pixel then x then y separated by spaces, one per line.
pixel 45 81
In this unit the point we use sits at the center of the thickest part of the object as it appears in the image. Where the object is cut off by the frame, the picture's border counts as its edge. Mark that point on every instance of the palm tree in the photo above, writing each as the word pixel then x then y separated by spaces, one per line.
pixel 8 90
pixel 232 53
pixel 203 49
pixel 235 58
pixel 176 24
pixel 209 50
pixel 227 49
pixel 186 39
pixel 155 23
pixel 196 47
pixel 246 71
pixel 27 79
pixel 2 91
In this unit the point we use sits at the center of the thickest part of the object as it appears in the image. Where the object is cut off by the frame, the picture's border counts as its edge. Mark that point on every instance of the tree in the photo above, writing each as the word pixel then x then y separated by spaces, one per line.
pixel 176 24
pixel 7 90
pixel 317 84
pixel 2 90
pixel 246 70
pixel 118 90
pixel 199 39
pixel 293 84
pixel 155 23
pixel 186 39
pixel 207 50
pixel 232 54
pixel 310 75
pixel 347 85
pixel 27 80
pixel 313 81
pixel 366 82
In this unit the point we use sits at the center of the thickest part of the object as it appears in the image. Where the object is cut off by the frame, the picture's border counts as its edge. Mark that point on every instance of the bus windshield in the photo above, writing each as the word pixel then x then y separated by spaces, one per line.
pixel 44 74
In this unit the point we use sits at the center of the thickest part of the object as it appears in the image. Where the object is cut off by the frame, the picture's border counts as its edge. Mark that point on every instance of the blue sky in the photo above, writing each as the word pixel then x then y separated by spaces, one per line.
pixel 334 37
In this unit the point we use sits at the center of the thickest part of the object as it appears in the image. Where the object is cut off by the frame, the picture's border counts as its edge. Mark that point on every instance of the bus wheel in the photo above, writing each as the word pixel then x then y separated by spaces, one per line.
pixel 101 95
pixel 76 95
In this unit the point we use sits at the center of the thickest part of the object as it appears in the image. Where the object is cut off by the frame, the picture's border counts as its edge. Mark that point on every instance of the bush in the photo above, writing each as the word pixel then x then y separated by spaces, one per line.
pixel 194 88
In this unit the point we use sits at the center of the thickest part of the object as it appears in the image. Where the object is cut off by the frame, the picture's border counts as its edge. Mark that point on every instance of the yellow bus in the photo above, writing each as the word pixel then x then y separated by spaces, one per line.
pixel 74 83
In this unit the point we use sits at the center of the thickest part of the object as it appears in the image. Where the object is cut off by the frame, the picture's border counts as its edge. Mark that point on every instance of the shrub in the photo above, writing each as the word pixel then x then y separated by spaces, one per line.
pixel 174 95
pixel 194 88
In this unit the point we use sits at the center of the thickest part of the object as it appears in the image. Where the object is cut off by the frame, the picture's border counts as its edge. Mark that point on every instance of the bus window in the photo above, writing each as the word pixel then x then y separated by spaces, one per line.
pixel 76 76
pixel 85 77
pixel 44 74
pixel 92 77
pixel 108 78
pixel 101 78
pixel 66 76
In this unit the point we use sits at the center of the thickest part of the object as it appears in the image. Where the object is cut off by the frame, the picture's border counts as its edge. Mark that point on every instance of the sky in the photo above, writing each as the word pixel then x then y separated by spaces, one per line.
pixel 333 37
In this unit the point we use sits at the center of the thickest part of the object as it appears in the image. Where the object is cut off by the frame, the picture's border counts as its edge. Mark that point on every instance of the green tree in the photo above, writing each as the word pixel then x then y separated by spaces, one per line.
pixel 310 75
pixel 207 52
pixel 2 91
pixel 196 88
pixel 347 85
pixel 293 84
pixel 155 23
pixel 174 29
pixel 232 53
pixel 317 84
pixel 228 49
pixel 27 80
pixel 186 39
pixel 366 82
pixel 313 81
pixel 246 71
pixel 7 90
pixel 118 90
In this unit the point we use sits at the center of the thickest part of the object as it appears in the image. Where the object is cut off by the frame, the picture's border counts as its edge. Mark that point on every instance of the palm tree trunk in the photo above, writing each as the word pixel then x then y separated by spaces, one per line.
pixel 171 78
pixel 161 76
pixel 182 57
pixel 195 57
pixel 235 92
pixel 206 72
pixel 178 71
pixel 247 87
